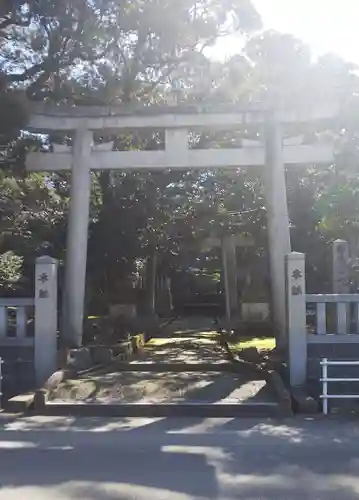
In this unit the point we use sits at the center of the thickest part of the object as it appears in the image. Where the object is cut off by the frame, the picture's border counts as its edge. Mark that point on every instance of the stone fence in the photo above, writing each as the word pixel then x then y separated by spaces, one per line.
pixel 319 325
pixel 28 330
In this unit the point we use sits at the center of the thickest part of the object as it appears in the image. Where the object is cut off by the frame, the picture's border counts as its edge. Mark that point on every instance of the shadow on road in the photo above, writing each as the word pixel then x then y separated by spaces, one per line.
pixel 104 459
pixel 95 470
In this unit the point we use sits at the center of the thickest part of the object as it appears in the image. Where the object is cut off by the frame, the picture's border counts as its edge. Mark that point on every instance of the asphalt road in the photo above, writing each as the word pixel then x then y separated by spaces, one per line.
pixel 178 459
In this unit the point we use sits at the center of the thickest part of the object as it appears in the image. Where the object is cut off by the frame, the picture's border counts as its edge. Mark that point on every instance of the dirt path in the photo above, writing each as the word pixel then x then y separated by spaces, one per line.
pixel 191 341
pixel 187 343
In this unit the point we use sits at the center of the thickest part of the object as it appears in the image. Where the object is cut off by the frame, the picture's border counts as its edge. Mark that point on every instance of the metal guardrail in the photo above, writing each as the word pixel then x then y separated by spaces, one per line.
pixel 325 363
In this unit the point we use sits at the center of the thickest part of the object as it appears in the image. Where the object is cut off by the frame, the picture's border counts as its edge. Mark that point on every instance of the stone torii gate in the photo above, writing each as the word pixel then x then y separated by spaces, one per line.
pixel 85 156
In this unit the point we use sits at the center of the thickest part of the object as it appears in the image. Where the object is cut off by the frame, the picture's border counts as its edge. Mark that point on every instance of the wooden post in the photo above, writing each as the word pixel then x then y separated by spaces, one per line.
pixel 296 318
pixel 45 354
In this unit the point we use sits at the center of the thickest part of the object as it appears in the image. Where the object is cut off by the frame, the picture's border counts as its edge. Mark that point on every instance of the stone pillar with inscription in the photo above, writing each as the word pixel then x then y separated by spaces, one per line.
pixel 296 318
pixel 341 272
pixel 45 354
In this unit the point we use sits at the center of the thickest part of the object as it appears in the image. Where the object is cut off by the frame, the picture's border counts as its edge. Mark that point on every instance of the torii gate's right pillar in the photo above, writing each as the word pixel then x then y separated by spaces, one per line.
pixel 278 223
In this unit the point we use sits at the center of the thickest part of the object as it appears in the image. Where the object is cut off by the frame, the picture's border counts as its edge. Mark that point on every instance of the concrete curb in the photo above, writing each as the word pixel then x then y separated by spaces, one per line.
pixel 195 409
pixel 175 367
pixel 20 403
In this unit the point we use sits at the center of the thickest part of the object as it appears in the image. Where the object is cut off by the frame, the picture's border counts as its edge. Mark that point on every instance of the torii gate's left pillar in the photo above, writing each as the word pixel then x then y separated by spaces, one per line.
pixel 77 237
pixel 278 224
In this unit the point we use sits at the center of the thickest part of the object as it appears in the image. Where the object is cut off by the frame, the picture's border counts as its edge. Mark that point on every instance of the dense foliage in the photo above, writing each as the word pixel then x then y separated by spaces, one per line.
pixel 104 51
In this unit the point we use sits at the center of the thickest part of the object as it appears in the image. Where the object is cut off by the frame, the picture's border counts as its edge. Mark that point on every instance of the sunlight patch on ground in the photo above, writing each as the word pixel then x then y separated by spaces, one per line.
pixel 196 333
pixel 262 344
pixel 159 342
pixel 211 335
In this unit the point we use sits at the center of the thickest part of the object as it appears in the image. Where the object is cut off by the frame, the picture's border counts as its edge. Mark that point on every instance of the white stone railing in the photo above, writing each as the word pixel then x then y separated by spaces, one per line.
pixel 18 324
pixel 343 305
pixel 15 322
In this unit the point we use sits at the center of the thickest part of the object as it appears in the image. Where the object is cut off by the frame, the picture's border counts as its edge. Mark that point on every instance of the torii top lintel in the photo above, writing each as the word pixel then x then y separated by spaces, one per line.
pixel 45 117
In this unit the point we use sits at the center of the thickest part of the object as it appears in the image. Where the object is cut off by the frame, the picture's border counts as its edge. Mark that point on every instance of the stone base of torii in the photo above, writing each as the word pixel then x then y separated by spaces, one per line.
pixel 85 156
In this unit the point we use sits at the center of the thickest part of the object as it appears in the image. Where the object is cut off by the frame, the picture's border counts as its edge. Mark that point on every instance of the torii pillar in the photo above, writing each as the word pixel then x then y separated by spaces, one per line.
pixel 77 237
pixel 228 246
pixel 230 273
pixel 278 223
